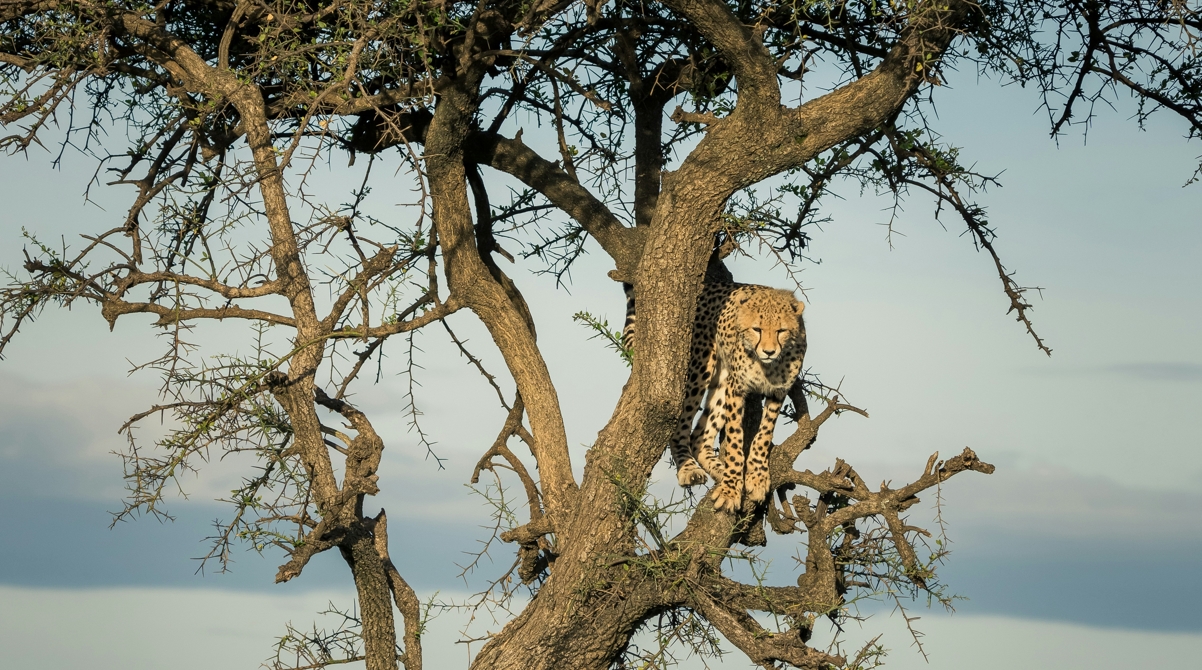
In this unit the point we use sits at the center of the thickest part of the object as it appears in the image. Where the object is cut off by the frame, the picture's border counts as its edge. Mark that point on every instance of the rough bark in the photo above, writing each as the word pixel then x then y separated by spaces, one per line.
pixel 468 277
pixel 599 587
pixel 759 139
pixel 375 603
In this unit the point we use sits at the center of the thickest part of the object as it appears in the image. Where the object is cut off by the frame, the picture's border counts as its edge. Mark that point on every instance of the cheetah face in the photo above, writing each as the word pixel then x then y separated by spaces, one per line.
pixel 766 330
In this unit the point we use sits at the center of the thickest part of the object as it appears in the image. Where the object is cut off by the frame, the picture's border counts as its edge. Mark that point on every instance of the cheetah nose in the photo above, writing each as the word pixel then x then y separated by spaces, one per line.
pixel 769 353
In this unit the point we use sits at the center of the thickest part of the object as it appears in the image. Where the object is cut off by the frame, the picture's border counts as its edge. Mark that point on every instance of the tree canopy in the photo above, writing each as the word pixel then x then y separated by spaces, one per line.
pixel 666 136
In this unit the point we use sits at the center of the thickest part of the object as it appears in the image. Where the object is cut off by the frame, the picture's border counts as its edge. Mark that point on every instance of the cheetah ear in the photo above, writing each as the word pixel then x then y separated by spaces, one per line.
pixel 798 307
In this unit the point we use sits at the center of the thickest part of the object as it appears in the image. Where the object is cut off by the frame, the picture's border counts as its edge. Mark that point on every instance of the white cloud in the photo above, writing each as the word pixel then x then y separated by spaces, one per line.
pixel 1053 500
pixel 55 436
pixel 136 629
pixel 957 642
pixel 194 629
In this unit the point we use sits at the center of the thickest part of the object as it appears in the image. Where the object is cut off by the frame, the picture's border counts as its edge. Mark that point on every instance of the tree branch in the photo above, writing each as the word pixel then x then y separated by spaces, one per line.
pixel 515 158
pixel 754 68
pixel 761 646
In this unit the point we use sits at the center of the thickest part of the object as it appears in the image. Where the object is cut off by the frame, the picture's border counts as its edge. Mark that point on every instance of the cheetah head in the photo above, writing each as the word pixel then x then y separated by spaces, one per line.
pixel 768 322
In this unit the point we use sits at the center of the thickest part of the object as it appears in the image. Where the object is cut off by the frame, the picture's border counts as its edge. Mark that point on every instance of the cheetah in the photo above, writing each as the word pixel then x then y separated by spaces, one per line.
pixel 747 339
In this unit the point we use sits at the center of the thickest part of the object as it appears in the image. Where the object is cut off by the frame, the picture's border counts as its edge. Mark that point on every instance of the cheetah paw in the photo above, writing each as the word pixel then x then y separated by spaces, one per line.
pixel 726 498
pixel 757 488
pixel 689 474
pixel 709 462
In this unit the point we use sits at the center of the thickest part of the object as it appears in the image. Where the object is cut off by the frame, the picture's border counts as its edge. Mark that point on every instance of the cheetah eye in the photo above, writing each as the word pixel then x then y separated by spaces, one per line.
pixel 757 330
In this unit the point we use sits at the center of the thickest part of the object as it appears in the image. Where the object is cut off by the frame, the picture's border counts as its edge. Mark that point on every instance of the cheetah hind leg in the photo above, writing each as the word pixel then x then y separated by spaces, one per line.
pixel 707 429
pixel 688 473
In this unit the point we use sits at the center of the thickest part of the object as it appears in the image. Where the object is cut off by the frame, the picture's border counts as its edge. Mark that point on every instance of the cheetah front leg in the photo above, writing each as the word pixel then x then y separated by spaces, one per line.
pixel 728 495
pixel 757 456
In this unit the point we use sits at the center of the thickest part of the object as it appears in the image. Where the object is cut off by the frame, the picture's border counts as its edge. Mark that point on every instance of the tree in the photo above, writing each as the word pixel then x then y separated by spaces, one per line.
pixel 227 105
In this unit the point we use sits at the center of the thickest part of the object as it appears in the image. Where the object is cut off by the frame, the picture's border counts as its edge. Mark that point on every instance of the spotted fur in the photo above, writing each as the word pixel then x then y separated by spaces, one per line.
pixel 747 340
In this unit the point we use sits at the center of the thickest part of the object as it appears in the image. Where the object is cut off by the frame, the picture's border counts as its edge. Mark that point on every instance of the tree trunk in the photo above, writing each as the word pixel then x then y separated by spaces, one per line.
pixel 375 603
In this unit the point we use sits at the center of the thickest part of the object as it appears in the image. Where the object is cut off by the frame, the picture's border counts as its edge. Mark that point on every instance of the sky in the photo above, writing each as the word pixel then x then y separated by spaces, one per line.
pixel 1083 550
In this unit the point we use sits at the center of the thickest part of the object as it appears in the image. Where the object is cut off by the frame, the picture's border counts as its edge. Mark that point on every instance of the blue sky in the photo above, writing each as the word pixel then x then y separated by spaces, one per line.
pixel 1083 550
